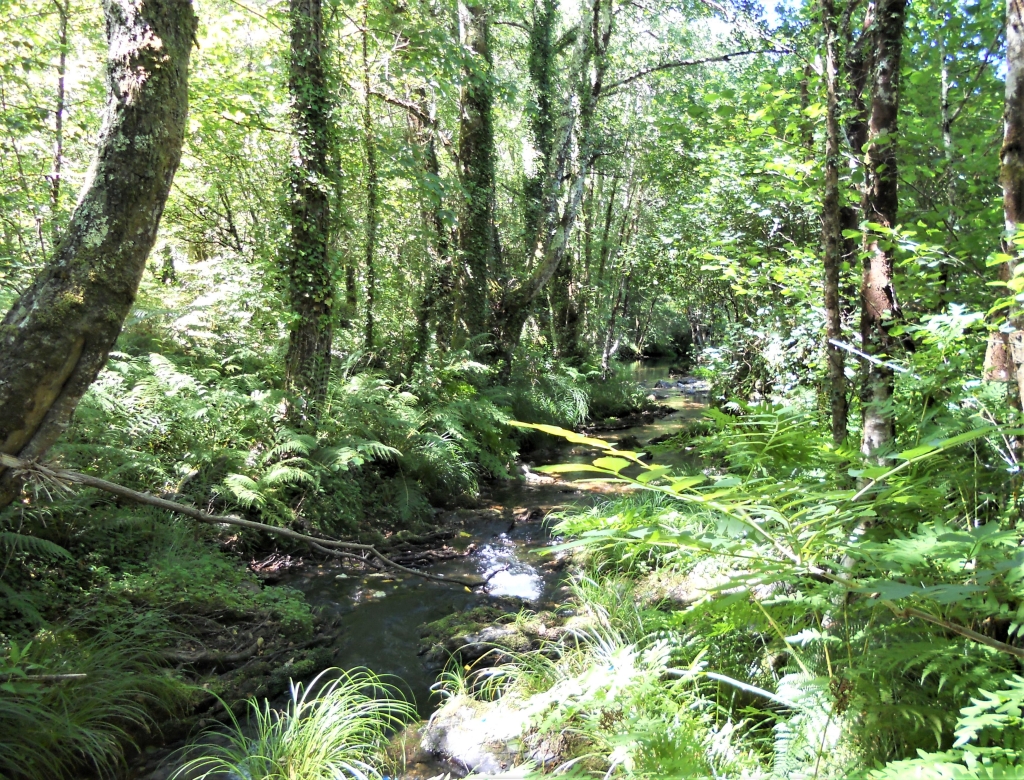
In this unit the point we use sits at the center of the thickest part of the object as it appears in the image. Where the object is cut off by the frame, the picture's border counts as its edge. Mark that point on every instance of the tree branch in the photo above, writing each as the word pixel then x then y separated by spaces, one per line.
pixel 64 477
pixel 687 63
pixel 409 106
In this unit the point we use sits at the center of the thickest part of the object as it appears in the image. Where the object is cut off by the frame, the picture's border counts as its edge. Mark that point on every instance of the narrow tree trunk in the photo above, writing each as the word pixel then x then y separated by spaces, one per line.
pixel 832 229
pixel 1004 359
pixel 372 190
pixel 477 169
pixel 58 122
pixel 439 284
pixel 879 306
pixel 310 277
pixel 57 336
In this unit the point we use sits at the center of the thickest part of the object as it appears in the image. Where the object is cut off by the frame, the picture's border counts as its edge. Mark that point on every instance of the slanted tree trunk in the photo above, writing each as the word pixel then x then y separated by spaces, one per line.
pixel 562 201
pixel 310 277
pixel 832 230
pixel 477 169
pixel 56 338
pixel 879 306
pixel 1004 358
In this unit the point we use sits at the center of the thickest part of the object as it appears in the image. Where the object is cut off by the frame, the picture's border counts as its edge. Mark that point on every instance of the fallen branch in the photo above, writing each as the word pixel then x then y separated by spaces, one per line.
pixel 333 547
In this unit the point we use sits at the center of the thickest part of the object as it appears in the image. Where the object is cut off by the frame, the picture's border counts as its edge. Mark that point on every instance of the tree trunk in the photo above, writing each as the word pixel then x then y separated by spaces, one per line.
pixel 1004 358
pixel 832 229
pixel 310 277
pixel 439 284
pixel 477 169
pixel 57 336
pixel 879 306
pixel 372 189
pixel 562 202
pixel 58 122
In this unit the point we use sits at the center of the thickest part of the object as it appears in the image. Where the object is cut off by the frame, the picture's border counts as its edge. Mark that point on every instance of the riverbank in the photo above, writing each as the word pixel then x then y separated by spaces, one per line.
pixel 375 619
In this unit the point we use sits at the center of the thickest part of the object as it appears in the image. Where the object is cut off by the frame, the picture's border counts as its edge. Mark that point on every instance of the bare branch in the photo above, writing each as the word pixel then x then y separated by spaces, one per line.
pixel 407 105
pixel 687 63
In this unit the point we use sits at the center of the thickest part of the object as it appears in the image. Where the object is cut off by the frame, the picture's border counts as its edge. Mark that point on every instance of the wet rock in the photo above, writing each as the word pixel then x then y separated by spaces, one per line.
pixel 533 478
pixel 475 736
pixel 661 439
pixel 629 442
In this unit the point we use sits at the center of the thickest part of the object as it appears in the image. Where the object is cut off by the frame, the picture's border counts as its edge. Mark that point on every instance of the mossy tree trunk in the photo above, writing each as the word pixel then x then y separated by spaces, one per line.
pixel 439 284
pixel 572 160
pixel 56 338
pixel 477 159
pixel 372 191
pixel 310 276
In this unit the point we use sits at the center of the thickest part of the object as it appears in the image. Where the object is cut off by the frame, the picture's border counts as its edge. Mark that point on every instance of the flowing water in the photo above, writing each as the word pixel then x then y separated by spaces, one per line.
pixel 381 615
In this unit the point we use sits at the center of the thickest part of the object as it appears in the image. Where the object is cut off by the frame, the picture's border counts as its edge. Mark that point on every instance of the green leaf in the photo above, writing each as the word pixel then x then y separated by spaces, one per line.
pixel 611 464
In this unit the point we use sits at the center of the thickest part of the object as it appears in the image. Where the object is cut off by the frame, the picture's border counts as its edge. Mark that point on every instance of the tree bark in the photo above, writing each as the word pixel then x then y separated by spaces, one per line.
pixel 310 277
pixel 439 283
pixel 477 170
pixel 832 230
pixel 1004 358
pixel 879 305
pixel 57 336
pixel 58 122
pixel 372 190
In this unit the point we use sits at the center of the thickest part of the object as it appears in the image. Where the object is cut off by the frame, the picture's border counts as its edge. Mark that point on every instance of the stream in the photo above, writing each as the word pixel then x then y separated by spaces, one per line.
pixel 381 614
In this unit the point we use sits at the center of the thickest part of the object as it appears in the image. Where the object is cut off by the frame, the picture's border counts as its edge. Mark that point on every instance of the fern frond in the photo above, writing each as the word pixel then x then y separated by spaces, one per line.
pixel 245 491
pixel 32 545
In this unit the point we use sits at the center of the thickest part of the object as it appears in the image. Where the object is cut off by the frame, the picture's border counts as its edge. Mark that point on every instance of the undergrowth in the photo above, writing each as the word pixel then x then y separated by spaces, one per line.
pixel 790 620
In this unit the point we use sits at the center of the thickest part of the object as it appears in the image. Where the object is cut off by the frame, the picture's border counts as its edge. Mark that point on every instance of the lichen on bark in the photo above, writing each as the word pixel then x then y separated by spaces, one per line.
pixel 56 337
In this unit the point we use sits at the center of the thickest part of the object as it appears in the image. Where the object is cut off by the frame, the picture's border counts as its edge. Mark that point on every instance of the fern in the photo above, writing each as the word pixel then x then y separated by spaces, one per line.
pixel 32 545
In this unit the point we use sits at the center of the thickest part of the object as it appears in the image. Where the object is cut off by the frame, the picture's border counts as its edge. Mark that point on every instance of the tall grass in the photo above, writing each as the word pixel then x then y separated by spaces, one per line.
pixel 52 727
pixel 326 732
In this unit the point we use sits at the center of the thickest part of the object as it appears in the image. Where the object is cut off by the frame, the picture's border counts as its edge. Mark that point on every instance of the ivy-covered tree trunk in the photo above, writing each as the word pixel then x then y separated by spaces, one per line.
pixel 372 191
pixel 56 337
pixel 565 185
pixel 58 119
pixel 879 305
pixel 477 170
pixel 832 230
pixel 1004 358
pixel 310 276
pixel 439 283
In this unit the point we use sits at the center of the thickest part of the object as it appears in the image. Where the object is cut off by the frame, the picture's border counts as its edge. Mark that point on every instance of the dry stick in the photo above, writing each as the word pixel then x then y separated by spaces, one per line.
pixel 41 677
pixel 329 546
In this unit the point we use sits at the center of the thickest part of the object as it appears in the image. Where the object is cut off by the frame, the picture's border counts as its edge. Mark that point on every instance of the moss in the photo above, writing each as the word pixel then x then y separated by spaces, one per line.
pixel 461 623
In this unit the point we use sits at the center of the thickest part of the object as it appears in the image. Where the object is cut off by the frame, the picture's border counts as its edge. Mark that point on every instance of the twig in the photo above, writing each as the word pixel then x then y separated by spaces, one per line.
pixel 42 677
pixel 871 358
pixel 64 477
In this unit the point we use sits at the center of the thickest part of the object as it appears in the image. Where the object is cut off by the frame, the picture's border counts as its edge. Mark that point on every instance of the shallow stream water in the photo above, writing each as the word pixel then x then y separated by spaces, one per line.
pixel 381 615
